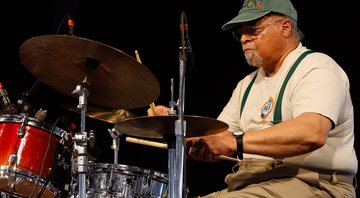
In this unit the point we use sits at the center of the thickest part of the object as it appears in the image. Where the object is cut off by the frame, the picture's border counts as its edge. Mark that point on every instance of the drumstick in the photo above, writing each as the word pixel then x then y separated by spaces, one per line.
pixel 152 105
pixel 164 146
pixel 146 142
pixel 224 157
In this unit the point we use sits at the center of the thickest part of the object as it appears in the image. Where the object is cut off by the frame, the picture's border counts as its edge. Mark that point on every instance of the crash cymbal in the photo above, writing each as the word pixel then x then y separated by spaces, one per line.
pixel 164 126
pixel 104 114
pixel 116 80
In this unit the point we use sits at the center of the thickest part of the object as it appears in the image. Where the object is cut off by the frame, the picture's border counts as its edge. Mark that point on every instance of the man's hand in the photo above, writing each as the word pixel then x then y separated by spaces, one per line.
pixel 160 110
pixel 209 148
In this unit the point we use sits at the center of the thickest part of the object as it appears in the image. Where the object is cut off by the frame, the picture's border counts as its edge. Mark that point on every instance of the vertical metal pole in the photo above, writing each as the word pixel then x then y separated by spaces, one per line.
pixel 176 156
pixel 171 167
pixel 81 140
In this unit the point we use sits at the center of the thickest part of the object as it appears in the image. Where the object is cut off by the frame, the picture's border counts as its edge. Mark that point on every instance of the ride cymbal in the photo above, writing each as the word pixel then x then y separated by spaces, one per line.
pixel 115 79
pixel 164 126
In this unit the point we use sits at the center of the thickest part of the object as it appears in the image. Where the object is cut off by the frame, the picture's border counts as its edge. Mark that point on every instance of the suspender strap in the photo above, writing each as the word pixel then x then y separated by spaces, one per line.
pixel 277 113
pixel 246 94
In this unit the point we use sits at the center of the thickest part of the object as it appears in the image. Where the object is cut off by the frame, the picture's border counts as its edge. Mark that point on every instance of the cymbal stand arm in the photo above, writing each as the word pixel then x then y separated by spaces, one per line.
pixel 116 141
pixel 81 139
pixel 172 103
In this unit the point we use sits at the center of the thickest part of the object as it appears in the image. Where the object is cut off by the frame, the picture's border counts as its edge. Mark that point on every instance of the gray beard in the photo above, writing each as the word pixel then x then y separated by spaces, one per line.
pixel 253 59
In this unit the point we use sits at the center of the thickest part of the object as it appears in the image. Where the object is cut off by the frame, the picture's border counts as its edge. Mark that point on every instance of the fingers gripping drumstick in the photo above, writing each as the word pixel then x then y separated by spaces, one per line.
pixel 152 105
pixel 164 146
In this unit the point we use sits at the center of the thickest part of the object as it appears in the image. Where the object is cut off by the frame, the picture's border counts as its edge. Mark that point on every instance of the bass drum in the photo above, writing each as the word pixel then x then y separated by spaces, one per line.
pixel 27 156
pixel 123 181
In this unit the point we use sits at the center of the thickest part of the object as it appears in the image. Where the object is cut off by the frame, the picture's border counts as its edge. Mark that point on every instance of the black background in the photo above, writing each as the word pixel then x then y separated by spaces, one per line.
pixel 152 28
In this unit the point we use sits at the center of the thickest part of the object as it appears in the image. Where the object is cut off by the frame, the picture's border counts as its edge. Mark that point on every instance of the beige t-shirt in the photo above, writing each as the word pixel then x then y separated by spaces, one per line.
pixel 318 85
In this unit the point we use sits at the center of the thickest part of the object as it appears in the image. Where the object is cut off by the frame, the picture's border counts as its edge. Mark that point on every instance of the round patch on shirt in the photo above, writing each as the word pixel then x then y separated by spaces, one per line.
pixel 267 108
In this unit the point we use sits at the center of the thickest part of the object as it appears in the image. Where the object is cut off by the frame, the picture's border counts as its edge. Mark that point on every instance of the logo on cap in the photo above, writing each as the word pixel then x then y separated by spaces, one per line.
pixel 253 4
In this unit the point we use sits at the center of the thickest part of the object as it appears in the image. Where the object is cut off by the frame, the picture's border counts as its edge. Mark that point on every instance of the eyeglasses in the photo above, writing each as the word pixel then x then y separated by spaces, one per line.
pixel 252 30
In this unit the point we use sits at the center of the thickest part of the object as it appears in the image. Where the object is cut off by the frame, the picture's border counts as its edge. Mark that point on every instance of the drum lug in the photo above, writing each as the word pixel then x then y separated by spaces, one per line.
pixel 12 159
pixel 21 129
pixel 12 179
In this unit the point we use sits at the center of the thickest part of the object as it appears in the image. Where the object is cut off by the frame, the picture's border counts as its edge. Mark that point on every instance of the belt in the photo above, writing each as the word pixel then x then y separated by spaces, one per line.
pixel 335 177
pixel 330 175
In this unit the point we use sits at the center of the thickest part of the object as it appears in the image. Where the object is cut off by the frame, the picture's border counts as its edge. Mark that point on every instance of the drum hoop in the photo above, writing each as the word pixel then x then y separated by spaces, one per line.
pixel 159 176
pixel 119 168
pixel 12 170
pixel 20 174
pixel 130 170
pixel 33 122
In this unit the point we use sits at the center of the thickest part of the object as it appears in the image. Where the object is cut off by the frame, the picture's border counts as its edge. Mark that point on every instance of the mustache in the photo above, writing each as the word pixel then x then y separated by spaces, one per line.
pixel 248 47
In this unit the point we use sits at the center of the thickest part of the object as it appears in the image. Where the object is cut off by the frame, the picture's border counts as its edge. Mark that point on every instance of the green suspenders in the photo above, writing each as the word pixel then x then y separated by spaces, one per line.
pixel 277 113
pixel 246 94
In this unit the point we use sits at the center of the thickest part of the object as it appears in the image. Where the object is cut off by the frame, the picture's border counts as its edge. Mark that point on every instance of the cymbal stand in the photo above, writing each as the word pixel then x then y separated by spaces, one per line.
pixel 116 141
pixel 81 139
pixel 177 187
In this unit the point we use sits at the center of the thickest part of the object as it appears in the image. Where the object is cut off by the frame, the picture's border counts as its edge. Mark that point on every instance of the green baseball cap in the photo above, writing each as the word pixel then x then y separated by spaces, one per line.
pixel 254 9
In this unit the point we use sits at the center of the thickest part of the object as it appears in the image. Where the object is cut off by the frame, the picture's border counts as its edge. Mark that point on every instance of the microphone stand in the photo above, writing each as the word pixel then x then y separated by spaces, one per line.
pixel 81 139
pixel 23 105
pixel 177 187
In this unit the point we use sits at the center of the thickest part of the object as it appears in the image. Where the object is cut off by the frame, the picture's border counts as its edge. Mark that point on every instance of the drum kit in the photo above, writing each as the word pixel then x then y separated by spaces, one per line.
pixel 106 82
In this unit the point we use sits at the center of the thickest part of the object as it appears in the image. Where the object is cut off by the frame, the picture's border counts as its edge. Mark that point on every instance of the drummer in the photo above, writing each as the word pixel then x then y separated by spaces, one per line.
pixel 293 129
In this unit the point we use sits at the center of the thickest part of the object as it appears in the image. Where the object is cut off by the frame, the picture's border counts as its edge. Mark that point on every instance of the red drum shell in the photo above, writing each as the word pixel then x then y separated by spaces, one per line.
pixel 21 158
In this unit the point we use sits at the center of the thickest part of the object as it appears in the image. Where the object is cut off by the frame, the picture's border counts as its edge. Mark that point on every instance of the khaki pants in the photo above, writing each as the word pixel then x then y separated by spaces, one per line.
pixel 264 178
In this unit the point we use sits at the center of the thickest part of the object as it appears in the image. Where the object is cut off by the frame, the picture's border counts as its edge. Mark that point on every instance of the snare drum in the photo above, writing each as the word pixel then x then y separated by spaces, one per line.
pixel 122 181
pixel 23 164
